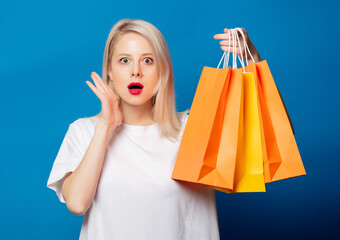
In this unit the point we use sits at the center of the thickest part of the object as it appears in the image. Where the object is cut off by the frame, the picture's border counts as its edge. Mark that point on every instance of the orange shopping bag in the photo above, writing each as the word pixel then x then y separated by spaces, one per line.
pixel 283 157
pixel 199 151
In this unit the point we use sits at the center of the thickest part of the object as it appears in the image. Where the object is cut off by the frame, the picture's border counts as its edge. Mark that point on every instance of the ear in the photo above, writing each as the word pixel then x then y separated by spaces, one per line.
pixel 109 73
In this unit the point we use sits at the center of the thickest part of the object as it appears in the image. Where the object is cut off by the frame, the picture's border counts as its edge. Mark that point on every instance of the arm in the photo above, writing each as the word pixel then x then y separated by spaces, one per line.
pixel 253 51
pixel 79 187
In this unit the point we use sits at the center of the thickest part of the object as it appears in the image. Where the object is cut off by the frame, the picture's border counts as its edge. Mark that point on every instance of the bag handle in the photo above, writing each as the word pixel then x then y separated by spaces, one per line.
pixel 245 45
pixel 235 38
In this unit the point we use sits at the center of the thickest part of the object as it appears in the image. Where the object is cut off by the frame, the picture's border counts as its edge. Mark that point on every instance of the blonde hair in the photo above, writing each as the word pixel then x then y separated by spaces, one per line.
pixel 164 106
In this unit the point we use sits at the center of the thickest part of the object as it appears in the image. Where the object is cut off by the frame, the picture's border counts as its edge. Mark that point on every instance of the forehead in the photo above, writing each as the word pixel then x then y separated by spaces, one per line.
pixel 133 43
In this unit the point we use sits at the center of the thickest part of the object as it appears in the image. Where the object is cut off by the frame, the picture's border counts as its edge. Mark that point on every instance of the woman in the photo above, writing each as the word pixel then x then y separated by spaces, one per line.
pixel 116 167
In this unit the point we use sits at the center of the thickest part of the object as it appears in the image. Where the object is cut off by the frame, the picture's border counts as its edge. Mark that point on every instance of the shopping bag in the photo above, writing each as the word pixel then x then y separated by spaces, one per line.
pixel 218 162
pixel 284 160
pixel 202 131
pixel 249 162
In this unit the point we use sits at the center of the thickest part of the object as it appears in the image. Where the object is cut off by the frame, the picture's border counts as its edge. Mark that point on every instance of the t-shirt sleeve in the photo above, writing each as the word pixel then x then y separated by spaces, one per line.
pixel 184 120
pixel 186 116
pixel 68 158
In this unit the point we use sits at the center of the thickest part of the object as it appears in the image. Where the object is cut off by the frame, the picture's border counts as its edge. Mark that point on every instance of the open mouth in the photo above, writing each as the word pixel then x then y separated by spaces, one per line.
pixel 135 88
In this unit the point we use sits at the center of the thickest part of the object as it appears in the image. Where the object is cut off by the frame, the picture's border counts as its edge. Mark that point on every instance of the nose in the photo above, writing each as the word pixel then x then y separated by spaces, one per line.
pixel 136 72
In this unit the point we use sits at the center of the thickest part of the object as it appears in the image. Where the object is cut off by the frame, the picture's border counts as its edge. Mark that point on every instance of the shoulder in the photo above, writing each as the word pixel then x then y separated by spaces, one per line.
pixel 84 126
pixel 85 121
pixel 185 116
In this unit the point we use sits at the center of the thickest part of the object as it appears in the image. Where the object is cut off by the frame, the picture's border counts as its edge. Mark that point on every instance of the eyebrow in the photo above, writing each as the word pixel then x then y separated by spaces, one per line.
pixel 127 54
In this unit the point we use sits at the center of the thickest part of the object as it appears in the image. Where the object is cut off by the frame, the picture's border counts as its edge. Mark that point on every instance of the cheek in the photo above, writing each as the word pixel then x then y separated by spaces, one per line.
pixel 118 79
pixel 153 75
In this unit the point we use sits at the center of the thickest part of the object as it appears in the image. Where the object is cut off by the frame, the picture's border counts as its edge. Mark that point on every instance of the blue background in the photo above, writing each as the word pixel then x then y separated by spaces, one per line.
pixel 48 50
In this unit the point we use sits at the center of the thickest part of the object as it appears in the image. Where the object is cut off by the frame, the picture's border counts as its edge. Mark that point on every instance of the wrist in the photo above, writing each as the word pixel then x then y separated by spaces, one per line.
pixel 105 126
pixel 257 57
pixel 254 53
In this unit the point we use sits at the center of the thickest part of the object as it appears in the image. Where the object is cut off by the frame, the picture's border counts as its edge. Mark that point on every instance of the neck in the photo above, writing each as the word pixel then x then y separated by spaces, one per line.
pixel 137 115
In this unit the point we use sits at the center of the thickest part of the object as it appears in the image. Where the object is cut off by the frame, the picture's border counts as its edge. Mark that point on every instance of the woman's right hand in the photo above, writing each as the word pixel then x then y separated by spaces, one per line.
pixel 111 113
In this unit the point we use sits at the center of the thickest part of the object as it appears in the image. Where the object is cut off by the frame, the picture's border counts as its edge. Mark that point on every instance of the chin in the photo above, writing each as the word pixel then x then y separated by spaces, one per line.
pixel 137 102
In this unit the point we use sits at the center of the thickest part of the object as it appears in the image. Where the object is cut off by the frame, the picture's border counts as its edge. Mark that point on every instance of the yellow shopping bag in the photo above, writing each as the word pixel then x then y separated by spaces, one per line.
pixel 249 162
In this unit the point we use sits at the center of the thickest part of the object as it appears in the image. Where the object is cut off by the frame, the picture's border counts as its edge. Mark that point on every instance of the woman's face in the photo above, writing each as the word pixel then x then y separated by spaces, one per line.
pixel 133 61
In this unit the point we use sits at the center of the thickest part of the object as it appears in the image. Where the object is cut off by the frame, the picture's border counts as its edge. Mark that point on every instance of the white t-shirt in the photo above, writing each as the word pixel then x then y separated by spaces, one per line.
pixel 136 197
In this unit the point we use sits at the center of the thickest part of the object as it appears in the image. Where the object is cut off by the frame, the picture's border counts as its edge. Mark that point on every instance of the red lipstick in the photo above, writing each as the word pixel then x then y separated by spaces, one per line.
pixel 135 88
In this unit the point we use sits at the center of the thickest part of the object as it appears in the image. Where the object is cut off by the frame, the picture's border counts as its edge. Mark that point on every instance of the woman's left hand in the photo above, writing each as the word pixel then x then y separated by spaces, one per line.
pixel 225 45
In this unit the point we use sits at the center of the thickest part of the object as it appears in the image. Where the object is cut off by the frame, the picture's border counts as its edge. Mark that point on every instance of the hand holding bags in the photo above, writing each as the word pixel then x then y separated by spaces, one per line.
pixel 238 135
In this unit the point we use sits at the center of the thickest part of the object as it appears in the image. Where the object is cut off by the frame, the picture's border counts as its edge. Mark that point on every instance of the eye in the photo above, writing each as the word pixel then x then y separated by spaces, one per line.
pixel 149 60
pixel 123 60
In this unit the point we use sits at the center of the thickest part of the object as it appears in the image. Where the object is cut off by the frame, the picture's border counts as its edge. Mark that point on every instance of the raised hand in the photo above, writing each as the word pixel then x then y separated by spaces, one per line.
pixel 111 112
pixel 226 47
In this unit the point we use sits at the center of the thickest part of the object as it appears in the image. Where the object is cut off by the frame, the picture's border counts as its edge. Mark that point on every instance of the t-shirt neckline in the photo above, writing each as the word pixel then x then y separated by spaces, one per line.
pixel 139 129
